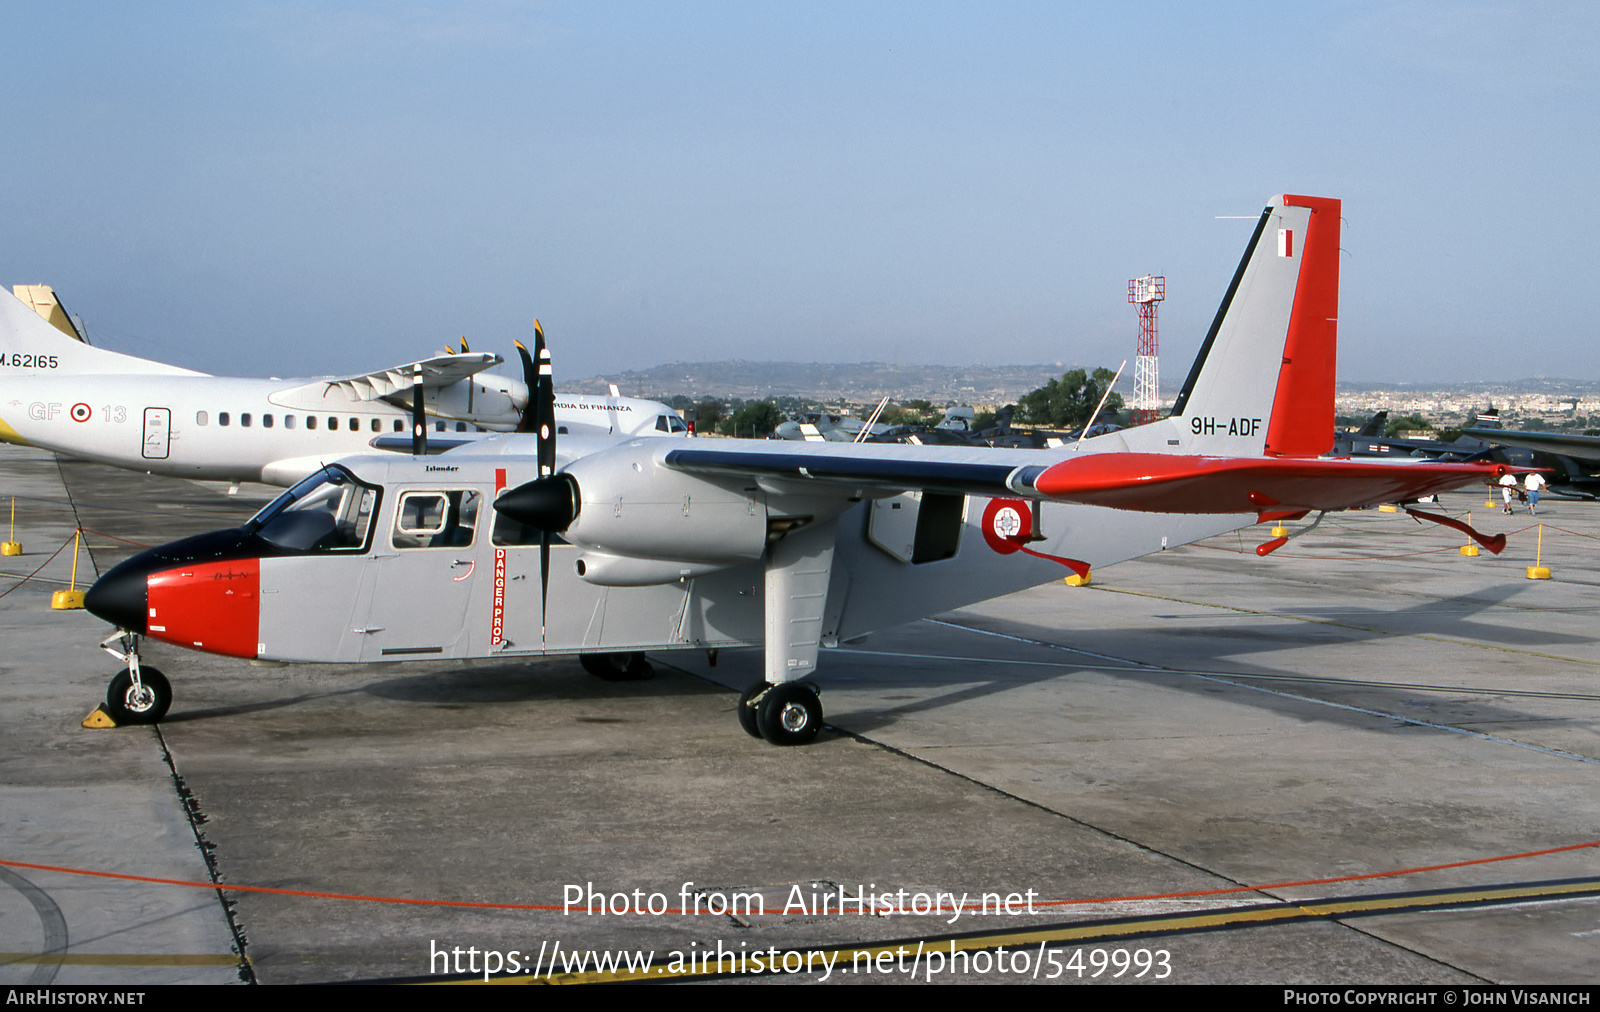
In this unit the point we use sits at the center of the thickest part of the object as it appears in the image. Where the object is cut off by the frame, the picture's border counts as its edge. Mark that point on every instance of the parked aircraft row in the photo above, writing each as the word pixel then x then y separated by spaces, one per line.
pixel 609 545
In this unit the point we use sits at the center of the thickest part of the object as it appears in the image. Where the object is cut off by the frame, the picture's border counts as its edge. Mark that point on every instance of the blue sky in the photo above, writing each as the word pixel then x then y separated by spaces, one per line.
pixel 299 188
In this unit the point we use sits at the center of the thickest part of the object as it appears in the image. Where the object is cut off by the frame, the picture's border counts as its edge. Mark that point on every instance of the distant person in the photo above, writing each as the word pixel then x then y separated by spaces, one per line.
pixel 1508 488
pixel 1534 483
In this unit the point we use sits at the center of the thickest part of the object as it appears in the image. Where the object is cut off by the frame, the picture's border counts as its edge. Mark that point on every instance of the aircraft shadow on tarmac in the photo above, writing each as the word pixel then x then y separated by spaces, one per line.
pixel 1218 651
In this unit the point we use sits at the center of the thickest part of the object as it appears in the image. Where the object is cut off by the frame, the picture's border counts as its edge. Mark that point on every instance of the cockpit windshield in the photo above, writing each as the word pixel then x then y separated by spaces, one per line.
pixel 329 511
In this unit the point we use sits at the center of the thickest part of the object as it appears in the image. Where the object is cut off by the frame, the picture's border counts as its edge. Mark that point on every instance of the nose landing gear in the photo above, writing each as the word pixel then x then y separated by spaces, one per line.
pixel 138 695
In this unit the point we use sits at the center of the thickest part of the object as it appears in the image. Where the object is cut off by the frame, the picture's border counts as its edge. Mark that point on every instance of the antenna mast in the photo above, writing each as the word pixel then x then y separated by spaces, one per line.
pixel 1145 292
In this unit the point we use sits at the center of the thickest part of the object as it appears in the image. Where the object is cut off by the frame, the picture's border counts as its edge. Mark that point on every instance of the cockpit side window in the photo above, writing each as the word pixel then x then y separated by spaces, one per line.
pixel 328 512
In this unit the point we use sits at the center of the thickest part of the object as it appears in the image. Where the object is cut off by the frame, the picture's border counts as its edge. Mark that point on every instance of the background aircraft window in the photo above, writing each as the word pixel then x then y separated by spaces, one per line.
pixel 399 426
pixel 199 417
pixel 311 421
pixel 222 418
pixel 333 423
pixel 377 425
pixel 266 421
pixel 438 426
pixel 461 426
pixel 244 419
pixel 288 421
pixel 436 519
pixel 355 425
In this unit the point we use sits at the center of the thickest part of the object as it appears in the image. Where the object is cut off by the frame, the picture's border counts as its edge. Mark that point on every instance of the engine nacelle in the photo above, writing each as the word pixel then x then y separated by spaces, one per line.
pixel 633 508
pixel 620 571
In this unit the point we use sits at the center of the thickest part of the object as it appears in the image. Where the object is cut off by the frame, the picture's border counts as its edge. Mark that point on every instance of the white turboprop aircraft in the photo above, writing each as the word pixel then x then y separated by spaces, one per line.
pixel 60 393
pixel 659 544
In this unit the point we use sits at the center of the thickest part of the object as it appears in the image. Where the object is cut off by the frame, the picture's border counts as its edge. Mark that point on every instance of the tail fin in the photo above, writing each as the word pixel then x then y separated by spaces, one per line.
pixel 29 344
pixel 1263 381
pixel 1375 425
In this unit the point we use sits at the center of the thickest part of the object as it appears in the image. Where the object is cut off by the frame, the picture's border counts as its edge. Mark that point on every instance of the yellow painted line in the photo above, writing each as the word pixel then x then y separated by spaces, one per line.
pixel 119 959
pixel 1053 935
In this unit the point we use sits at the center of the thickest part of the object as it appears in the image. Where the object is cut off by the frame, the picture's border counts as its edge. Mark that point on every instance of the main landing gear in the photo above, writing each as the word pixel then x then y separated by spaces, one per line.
pixel 140 694
pixel 788 713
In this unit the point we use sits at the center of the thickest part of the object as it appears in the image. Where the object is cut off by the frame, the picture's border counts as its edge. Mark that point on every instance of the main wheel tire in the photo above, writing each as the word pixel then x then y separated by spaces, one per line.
pixel 747 713
pixel 617 667
pixel 146 704
pixel 790 714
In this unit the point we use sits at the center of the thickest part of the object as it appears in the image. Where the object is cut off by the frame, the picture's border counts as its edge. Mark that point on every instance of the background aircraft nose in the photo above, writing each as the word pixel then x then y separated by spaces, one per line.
pixel 120 598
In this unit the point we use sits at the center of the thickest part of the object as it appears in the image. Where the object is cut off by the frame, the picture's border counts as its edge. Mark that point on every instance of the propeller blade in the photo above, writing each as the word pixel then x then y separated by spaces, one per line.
pixel 419 418
pixel 543 398
pixel 529 410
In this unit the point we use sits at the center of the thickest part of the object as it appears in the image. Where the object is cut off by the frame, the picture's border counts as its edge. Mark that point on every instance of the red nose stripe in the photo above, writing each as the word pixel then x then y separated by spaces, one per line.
pixel 214 607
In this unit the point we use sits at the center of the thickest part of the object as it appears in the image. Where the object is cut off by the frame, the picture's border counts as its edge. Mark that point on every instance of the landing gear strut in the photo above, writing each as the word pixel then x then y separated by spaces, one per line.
pixel 139 695
pixel 789 713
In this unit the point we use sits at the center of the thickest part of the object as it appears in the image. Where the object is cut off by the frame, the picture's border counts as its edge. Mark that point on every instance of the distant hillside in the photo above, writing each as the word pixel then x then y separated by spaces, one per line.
pixel 855 381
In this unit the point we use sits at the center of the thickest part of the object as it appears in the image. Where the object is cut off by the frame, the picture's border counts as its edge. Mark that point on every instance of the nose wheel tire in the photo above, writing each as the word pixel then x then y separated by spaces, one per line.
pixel 145 703
pixel 789 714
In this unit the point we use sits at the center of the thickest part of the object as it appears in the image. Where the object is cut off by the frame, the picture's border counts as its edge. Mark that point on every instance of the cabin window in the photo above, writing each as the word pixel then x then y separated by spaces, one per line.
pixel 377 425
pixel 311 421
pixel 288 421
pixel 399 426
pixel 355 425
pixel 200 418
pixel 333 423
pixel 435 519
pixel 222 418
pixel 244 419
pixel 461 426
pixel 438 426
pixel 266 421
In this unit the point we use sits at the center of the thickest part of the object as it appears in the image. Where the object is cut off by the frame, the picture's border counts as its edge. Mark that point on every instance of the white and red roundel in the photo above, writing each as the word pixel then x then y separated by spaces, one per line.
pixel 81 412
pixel 1007 524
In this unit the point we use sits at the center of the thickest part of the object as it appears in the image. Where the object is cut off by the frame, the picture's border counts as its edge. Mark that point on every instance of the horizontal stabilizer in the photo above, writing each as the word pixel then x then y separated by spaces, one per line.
pixel 1158 483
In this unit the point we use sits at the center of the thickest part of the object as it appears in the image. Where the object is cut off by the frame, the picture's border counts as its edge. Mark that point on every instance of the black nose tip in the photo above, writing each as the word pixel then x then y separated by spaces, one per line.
pixel 120 598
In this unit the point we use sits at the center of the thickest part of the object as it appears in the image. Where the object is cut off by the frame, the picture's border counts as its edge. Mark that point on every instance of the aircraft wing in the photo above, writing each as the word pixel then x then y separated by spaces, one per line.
pixel 1567 444
pixel 1143 482
pixel 438 371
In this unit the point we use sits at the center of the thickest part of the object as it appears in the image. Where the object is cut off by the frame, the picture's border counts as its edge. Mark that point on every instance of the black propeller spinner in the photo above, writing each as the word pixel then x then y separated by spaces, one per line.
pixel 550 502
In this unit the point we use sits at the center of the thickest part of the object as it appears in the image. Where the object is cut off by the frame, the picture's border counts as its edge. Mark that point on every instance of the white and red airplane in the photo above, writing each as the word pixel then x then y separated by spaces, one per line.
pixel 615 546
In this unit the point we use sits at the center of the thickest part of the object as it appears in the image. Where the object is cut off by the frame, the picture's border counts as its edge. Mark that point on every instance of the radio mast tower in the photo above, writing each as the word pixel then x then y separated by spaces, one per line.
pixel 1145 292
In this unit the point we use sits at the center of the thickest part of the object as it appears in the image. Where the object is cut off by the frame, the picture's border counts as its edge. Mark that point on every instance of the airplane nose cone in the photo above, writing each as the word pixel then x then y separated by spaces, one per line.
pixel 120 597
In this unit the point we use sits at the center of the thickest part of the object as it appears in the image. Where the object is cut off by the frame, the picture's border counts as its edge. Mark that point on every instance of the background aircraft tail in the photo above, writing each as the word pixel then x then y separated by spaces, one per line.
pixel 31 346
pixel 1263 381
